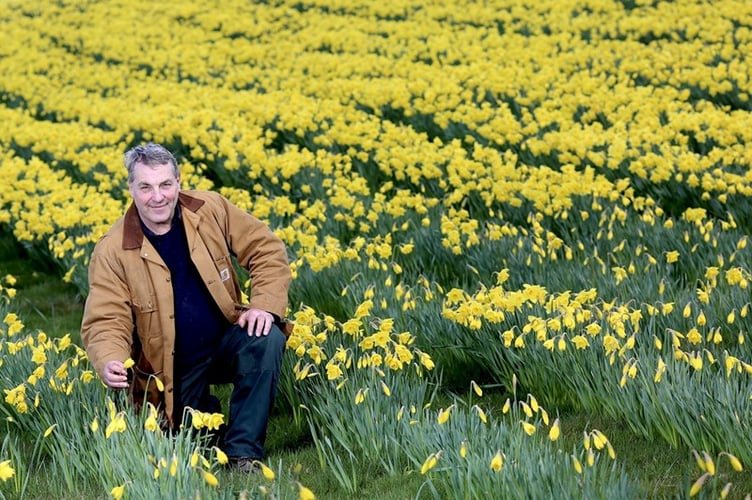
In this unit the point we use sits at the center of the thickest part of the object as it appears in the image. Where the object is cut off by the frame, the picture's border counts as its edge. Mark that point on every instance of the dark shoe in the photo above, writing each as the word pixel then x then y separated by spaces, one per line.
pixel 245 465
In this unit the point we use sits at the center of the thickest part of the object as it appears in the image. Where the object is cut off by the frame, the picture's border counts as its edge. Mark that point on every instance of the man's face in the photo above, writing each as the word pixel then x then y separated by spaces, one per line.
pixel 155 191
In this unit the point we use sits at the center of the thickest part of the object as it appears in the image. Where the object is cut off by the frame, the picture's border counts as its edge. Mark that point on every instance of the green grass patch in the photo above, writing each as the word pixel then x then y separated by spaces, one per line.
pixel 43 300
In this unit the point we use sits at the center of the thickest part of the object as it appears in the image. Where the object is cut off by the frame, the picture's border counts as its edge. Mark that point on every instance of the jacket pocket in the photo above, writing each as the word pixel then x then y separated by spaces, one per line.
pixel 146 316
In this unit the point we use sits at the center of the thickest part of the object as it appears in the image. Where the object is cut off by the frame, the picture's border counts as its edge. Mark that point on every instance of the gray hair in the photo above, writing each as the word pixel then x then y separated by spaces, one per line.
pixel 149 154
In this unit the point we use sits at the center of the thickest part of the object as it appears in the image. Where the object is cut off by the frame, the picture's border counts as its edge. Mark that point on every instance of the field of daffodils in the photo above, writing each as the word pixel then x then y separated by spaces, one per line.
pixel 545 200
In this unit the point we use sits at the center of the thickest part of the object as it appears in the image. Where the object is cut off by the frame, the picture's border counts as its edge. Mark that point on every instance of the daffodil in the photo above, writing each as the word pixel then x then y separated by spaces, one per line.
pixel 210 478
pixel 221 456
pixel 725 490
pixel 266 471
pixel 117 424
pixel 444 415
pixel 687 310
pixel 197 419
pixel 735 462
pixel 526 409
pixel 555 431
pixel 6 470
pixel 385 389
pixel 49 430
pixel 360 396
pixel 577 465
pixel 697 485
pixel 497 462
pixel 333 371
pixel 430 462
pixel 151 423
pixel 528 428
pixel 481 414
pixel 476 388
pixel 117 492
pixel 214 421
pixel 400 413
pixel 305 493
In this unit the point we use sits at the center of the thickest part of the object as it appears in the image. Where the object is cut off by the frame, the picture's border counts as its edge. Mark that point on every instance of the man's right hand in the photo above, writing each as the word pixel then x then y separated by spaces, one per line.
pixel 115 375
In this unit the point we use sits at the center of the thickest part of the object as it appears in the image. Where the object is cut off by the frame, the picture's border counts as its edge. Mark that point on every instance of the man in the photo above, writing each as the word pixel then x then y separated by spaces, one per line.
pixel 163 291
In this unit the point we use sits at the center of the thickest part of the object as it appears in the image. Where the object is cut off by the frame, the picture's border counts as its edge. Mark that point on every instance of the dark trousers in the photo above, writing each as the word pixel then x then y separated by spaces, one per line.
pixel 252 364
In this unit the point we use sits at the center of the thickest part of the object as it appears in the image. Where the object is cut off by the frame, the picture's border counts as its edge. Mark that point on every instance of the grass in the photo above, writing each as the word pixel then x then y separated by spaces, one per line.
pixel 44 302
pixel 659 467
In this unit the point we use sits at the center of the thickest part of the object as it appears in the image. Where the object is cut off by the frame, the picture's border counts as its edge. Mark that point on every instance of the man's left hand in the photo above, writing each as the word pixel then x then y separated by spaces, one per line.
pixel 256 321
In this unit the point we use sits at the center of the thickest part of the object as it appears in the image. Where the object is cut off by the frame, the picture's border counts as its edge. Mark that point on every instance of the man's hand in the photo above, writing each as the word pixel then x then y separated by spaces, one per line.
pixel 256 321
pixel 115 375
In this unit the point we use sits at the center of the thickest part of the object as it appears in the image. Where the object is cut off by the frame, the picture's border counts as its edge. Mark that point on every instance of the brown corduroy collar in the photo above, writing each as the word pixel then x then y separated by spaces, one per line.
pixel 133 234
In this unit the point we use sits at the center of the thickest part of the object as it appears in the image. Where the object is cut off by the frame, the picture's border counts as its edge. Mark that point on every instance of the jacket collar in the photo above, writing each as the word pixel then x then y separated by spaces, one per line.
pixel 133 233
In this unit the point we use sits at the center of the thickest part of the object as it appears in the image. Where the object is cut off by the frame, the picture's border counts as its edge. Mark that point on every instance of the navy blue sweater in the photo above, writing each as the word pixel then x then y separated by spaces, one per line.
pixel 198 321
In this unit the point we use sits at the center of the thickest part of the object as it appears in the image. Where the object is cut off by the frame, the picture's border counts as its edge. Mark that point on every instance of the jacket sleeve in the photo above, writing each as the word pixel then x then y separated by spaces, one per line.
pixel 264 254
pixel 107 324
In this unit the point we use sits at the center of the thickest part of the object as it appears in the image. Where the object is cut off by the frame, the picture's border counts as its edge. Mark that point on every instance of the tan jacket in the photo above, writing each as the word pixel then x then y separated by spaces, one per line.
pixel 129 309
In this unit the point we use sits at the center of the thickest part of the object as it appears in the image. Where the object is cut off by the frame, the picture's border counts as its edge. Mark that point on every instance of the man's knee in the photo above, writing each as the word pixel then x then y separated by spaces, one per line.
pixel 276 339
pixel 264 352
